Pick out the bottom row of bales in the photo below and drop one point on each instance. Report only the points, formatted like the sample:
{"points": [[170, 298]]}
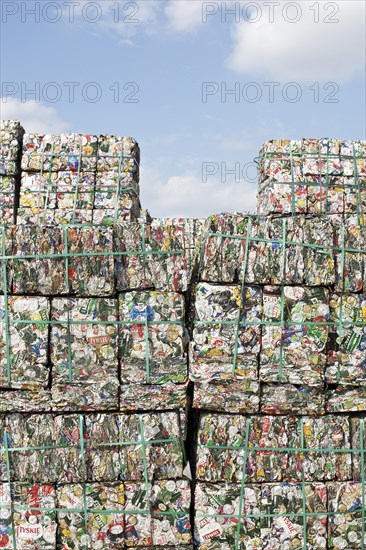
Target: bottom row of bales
{"points": [[113, 480], [156, 515]]}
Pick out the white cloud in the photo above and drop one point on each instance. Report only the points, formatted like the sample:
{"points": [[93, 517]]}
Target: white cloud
{"points": [[186, 15], [187, 195], [34, 116], [303, 51], [183, 15]]}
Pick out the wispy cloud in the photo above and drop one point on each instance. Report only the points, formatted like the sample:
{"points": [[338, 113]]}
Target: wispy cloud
{"points": [[183, 15], [187, 195], [35, 117]]}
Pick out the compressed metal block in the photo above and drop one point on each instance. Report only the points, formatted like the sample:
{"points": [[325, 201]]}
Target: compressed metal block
{"points": [[152, 337], [223, 345]]}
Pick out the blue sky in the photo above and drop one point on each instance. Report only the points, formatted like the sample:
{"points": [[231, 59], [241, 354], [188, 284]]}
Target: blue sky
{"points": [[310, 51]]}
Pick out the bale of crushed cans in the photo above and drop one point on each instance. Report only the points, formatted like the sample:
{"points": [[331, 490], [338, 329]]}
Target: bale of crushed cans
{"points": [[11, 136], [152, 337], [300, 250], [279, 515], [98, 260], [79, 179], [48, 448], [312, 176]]}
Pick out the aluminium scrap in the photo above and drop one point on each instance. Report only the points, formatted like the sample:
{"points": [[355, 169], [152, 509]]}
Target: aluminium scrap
{"points": [[134, 446], [56, 196], [257, 517], [63, 397], [291, 399], [118, 153], [11, 135], [347, 349], [345, 528], [280, 186], [223, 345], [30, 401], [225, 516], [326, 195], [90, 516], [231, 446], [355, 194], [157, 397], [91, 264], [24, 341], [320, 435], [219, 250], [116, 197], [152, 337], [171, 269], [127, 209], [7, 198], [28, 516], [117, 179], [287, 259], [38, 264], [157, 450], [189, 232], [346, 398], [283, 250], [83, 340], [152, 256], [154, 547], [104, 446], [350, 254], [231, 244], [58, 260], [319, 253], [98, 395], [154, 397], [220, 448], [75, 197], [233, 396], [6, 251], [358, 429], [47, 448], [157, 514], [54, 153], [289, 526], [295, 335], [311, 176]]}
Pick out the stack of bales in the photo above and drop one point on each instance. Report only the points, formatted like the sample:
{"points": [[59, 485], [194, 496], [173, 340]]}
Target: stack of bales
{"points": [[11, 135], [277, 356], [137, 353], [93, 324]]}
